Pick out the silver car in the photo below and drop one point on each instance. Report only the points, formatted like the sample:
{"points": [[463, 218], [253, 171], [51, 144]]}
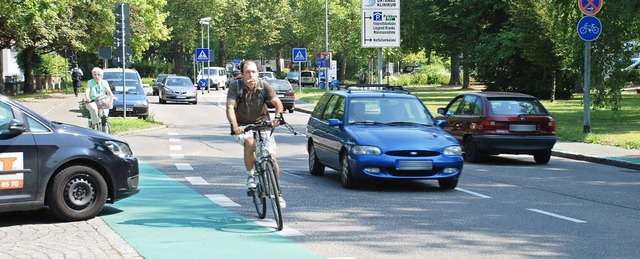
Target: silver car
{"points": [[178, 89]]}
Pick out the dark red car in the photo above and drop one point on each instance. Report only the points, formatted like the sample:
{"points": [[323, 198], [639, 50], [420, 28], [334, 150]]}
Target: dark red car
{"points": [[492, 123]]}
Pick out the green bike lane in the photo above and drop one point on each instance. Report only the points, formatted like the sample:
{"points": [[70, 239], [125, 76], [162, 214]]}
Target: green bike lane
{"points": [[168, 219]]}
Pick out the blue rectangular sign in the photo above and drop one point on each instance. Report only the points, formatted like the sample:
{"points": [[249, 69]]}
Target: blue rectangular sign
{"points": [[202, 54], [299, 55]]}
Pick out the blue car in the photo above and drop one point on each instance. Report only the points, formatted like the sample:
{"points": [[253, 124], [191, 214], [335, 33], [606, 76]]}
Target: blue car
{"points": [[380, 132], [129, 89]]}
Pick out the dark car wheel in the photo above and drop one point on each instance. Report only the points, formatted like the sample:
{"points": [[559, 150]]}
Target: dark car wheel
{"points": [[345, 173], [290, 110], [315, 167], [77, 193], [448, 183], [471, 152], [542, 157]]}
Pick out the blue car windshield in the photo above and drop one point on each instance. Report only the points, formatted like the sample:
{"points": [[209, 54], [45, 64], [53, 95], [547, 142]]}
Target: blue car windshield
{"points": [[132, 87], [388, 110]]}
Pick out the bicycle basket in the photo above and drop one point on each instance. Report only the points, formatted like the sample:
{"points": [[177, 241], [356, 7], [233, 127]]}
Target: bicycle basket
{"points": [[104, 102]]}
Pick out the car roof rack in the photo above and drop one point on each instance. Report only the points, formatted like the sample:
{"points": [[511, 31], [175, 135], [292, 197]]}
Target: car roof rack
{"points": [[385, 87]]}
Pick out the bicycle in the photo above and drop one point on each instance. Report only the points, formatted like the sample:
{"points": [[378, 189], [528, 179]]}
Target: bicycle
{"points": [[267, 184], [103, 102]]}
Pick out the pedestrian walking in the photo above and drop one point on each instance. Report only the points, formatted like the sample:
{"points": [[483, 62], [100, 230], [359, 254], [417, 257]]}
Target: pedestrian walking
{"points": [[76, 76]]}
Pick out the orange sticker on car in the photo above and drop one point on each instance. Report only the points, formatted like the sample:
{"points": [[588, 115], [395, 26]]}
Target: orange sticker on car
{"points": [[11, 162]]}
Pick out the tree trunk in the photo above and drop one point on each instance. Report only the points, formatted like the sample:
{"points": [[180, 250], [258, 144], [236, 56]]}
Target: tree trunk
{"points": [[467, 78], [553, 89], [455, 69], [178, 61], [223, 53], [27, 56], [278, 57]]}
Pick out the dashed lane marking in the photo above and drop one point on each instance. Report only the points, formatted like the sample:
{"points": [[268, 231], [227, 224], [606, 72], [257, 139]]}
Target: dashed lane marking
{"points": [[222, 200], [177, 156], [557, 216], [196, 180], [183, 166], [175, 148], [474, 193]]}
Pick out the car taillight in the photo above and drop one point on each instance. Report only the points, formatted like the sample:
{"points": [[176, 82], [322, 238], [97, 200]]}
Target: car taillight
{"points": [[552, 126], [293, 94], [487, 125]]}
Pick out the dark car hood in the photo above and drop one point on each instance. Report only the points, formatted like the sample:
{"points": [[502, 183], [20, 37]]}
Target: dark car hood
{"points": [[69, 129], [402, 137]]}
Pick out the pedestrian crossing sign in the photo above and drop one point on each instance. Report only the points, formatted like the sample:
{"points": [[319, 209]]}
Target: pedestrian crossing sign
{"points": [[202, 54], [299, 55]]}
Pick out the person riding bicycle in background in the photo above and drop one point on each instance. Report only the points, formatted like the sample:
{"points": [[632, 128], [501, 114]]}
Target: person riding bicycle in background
{"points": [[96, 88], [251, 108]]}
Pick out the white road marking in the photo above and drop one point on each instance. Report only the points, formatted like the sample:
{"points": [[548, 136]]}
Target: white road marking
{"points": [[196, 180], [172, 133], [175, 148], [222, 200], [285, 232], [474, 193], [177, 156], [183, 166], [557, 216], [174, 140]]}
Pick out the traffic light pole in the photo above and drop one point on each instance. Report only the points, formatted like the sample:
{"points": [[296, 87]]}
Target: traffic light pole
{"points": [[124, 82]]}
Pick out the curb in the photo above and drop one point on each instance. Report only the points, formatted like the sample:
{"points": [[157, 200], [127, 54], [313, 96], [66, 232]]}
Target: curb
{"points": [[133, 132], [596, 159]]}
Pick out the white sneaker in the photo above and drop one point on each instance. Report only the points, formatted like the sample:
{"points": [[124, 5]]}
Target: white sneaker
{"points": [[283, 203], [251, 182]]}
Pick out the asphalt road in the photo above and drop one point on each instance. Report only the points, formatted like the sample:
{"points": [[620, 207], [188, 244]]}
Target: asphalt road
{"points": [[193, 198]]}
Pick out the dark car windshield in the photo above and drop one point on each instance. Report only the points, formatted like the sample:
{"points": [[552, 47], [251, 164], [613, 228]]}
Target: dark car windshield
{"points": [[179, 81], [516, 107], [132, 87], [388, 110], [280, 85], [292, 75]]}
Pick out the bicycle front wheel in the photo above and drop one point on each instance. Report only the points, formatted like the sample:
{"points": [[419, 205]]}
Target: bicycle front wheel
{"points": [[106, 128], [259, 195], [274, 193]]}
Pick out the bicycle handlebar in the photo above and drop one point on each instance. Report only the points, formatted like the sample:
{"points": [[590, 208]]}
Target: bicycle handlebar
{"points": [[267, 124]]}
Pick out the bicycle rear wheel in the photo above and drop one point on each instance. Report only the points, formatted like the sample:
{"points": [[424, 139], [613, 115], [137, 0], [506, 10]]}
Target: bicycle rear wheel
{"points": [[274, 193], [106, 128], [259, 196]]}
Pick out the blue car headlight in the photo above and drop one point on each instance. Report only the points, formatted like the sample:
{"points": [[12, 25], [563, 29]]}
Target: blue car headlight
{"points": [[452, 151], [366, 150], [118, 148]]}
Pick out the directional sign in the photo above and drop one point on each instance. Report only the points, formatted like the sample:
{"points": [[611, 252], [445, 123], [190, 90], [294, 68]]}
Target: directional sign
{"points": [[323, 59], [202, 82], [202, 54], [380, 23], [590, 7], [589, 28], [299, 55]]}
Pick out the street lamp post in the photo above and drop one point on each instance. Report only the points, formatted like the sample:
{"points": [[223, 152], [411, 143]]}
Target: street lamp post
{"points": [[205, 21]]}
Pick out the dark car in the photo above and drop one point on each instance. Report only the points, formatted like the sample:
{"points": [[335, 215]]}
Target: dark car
{"points": [[71, 170], [284, 92], [293, 77], [157, 83], [492, 123], [178, 89], [380, 134], [137, 101]]}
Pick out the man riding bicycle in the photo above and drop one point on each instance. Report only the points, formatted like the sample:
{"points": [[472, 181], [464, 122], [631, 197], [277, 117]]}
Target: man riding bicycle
{"points": [[246, 104], [96, 88]]}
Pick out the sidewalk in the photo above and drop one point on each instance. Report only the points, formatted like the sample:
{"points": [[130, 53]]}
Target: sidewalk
{"points": [[614, 156], [64, 108]]}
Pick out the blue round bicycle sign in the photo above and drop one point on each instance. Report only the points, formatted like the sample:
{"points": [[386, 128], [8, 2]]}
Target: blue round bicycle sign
{"points": [[589, 28]]}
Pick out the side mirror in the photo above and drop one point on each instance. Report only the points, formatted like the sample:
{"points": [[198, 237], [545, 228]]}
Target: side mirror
{"points": [[441, 111], [334, 122]]}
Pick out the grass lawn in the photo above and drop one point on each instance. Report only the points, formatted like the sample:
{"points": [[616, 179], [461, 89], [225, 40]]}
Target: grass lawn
{"points": [[621, 128]]}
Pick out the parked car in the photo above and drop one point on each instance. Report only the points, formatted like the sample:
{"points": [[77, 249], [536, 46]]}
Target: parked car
{"points": [[380, 134], [285, 93], [178, 89], [293, 77], [266, 75], [137, 100], [308, 78], [217, 77], [157, 83], [73, 171], [492, 123]]}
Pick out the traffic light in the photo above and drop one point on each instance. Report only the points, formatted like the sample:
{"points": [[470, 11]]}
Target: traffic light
{"points": [[123, 27]]}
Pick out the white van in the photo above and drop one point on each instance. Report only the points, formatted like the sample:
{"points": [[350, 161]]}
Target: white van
{"points": [[217, 77]]}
